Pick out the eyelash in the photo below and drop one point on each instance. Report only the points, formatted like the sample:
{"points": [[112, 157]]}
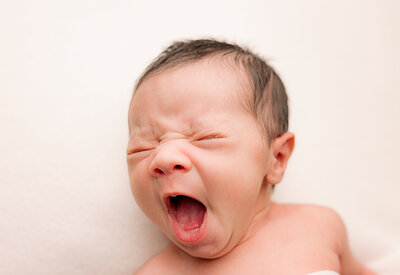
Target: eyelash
{"points": [[204, 138], [208, 137], [135, 151]]}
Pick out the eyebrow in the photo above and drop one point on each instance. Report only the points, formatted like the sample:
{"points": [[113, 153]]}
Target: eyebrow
{"points": [[152, 132]]}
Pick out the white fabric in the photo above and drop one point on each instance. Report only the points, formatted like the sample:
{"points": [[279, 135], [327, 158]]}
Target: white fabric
{"points": [[324, 272]]}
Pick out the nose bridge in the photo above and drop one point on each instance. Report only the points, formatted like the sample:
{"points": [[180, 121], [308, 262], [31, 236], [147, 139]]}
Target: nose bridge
{"points": [[169, 158]]}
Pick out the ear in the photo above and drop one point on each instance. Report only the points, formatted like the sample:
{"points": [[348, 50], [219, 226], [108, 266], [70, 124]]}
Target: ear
{"points": [[282, 148]]}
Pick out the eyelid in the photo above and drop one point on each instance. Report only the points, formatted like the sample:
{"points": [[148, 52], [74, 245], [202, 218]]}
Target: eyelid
{"points": [[136, 150], [210, 136]]}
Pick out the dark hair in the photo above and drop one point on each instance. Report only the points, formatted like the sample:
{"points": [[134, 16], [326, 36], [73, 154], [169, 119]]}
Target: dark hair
{"points": [[268, 102]]}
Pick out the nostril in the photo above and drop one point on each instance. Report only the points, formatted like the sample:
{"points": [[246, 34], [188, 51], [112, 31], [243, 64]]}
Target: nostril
{"points": [[158, 171], [178, 167]]}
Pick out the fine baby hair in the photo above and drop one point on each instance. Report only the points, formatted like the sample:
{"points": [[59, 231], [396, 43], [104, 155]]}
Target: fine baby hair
{"points": [[268, 101]]}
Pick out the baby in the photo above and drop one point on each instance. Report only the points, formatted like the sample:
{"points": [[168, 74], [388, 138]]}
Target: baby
{"points": [[208, 141]]}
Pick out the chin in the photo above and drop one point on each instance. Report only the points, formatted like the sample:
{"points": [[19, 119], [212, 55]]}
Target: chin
{"points": [[209, 251]]}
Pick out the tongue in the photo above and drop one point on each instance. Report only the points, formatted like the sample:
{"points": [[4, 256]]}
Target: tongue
{"points": [[189, 213]]}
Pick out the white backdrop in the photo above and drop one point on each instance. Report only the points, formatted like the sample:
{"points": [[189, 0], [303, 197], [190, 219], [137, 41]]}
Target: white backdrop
{"points": [[67, 69]]}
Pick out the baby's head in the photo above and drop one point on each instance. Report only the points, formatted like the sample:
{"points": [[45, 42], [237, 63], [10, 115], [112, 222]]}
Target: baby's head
{"points": [[208, 138], [266, 98]]}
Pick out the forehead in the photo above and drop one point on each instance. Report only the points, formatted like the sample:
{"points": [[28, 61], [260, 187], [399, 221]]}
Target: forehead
{"points": [[218, 70], [190, 90]]}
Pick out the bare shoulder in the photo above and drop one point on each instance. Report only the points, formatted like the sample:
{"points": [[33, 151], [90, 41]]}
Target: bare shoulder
{"points": [[161, 263], [312, 211], [323, 216], [323, 225], [314, 214], [316, 222]]}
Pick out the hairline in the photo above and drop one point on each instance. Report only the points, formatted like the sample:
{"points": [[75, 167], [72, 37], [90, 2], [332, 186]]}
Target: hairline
{"points": [[244, 99]]}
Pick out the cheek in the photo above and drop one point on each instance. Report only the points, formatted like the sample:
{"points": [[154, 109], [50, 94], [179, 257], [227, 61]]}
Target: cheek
{"points": [[141, 186], [232, 184], [240, 193], [238, 178]]}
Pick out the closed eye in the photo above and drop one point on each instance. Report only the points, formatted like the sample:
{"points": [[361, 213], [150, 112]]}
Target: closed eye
{"points": [[138, 150], [207, 137], [210, 137]]}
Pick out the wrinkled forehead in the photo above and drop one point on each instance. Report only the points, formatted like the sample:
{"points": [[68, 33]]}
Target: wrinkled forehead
{"points": [[229, 59], [211, 82]]}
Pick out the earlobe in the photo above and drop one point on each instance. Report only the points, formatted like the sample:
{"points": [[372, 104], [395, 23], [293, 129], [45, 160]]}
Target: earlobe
{"points": [[282, 148]]}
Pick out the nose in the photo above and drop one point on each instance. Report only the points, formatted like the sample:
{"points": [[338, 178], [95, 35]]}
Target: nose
{"points": [[169, 159]]}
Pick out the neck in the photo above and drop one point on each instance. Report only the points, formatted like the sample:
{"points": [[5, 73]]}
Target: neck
{"points": [[263, 207]]}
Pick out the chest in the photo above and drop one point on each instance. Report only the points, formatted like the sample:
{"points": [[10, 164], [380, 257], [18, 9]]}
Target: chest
{"points": [[272, 259]]}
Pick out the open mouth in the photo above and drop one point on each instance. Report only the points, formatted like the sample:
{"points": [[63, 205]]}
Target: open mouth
{"points": [[187, 217]]}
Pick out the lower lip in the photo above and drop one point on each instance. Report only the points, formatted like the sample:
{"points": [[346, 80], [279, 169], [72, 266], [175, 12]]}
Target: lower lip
{"points": [[191, 236]]}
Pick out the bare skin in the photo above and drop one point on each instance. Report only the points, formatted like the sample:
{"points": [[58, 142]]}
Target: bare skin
{"points": [[191, 137], [295, 239]]}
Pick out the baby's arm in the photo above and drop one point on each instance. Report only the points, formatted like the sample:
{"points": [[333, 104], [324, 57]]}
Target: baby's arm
{"points": [[349, 264]]}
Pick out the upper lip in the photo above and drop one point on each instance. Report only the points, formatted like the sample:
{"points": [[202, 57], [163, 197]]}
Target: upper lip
{"points": [[167, 196]]}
